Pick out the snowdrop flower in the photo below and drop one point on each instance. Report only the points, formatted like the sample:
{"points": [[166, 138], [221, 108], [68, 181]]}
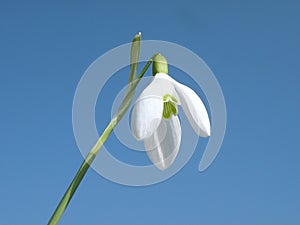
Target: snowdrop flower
{"points": [[155, 115]]}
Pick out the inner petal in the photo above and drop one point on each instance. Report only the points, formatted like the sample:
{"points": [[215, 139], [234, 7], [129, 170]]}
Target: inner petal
{"points": [[170, 108]]}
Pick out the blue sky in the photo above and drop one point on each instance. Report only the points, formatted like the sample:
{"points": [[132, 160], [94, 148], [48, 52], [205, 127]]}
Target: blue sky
{"points": [[252, 47]]}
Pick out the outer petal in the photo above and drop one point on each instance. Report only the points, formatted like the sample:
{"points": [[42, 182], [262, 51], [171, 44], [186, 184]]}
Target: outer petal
{"points": [[148, 109], [146, 116], [162, 147], [161, 84], [194, 109]]}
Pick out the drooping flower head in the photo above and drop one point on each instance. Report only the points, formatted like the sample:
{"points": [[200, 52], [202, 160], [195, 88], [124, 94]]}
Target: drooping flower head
{"points": [[155, 115]]}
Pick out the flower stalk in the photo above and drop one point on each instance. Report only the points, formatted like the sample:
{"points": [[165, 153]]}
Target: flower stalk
{"points": [[133, 82]]}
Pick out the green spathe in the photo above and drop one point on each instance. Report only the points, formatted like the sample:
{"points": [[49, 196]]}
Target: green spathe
{"points": [[160, 65]]}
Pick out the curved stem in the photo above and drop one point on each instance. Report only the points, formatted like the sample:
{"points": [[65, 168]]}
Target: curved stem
{"points": [[92, 154]]}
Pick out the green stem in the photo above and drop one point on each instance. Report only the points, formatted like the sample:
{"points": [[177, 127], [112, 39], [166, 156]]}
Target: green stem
{"points": [[92, 154]]}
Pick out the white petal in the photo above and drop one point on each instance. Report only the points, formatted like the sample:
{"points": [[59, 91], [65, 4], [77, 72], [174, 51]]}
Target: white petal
{"points": [[162, 147], [194, 109], [148, 109], [161, 85], [146, 116]]}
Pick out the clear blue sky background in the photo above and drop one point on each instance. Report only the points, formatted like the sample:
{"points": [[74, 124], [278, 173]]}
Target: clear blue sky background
{"points": [[253, 48]]}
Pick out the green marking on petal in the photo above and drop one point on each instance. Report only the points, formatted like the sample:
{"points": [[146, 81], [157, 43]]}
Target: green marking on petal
{"points": [[168, 96], [169, 109], [170, 106]]}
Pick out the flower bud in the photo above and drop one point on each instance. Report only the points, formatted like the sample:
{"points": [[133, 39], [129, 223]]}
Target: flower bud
{"points": [[160, 65]]}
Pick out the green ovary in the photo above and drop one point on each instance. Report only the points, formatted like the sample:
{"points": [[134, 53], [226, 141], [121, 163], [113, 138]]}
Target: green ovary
{"points": [[169, 109]]}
